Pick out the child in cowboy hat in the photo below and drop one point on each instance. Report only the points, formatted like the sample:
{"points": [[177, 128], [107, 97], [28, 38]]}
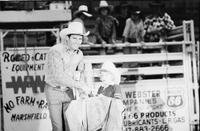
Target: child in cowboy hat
{"points": [[62, 61], [103, 112], [134, 28], [110, 77], [105, 24]]}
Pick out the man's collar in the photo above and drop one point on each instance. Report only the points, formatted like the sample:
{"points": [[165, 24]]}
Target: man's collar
{"points": [[67, 49], [74, 51]]}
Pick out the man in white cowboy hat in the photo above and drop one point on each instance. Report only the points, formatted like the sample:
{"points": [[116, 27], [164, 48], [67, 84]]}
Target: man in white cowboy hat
{"points": [[61, 64], [105, 24], [80, 16]]}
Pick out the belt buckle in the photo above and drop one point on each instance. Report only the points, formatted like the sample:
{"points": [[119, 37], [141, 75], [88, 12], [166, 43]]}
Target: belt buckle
{"points": [[62, 88]]}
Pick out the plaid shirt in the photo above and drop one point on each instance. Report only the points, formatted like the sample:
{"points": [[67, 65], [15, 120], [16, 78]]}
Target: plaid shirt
{"points": [[134, 30], [61, 65]]}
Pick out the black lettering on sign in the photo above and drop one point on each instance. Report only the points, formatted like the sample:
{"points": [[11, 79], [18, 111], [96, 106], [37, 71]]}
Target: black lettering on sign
{"points": [[39, 56], [27, 67], [130, 94], [42, 104], [15, 57], [129, 102], [31, 116], [6, 57], [28, 82], [25, 100], [9, 106]]}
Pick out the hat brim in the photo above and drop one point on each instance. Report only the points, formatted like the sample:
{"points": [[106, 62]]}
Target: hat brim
{"points": [[83, 12], [109, 7], [66, 32], [87, 14]]}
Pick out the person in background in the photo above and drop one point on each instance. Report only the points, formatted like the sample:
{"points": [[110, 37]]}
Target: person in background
{"points": [[62, 61], [123, 10], [105, 28], [80, 16], [134, 28], [133, 33]]}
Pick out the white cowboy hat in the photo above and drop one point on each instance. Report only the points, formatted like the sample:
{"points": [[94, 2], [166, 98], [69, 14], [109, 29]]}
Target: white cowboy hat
{"points": [[104, 4], [82, 9], [73, 28], [110, 67]]}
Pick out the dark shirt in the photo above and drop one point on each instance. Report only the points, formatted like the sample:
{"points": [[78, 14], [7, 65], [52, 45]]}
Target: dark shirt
{"points": [[113, 91], [105, 28], [120, 28]]}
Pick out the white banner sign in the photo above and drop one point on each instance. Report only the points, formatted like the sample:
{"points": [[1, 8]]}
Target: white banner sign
{"points": [[24, 103], [155, 108]]}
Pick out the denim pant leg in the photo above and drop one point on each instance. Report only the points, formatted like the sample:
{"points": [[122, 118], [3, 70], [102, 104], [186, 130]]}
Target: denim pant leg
{"points": [[56, 113], [65, 106], [55, 100]]}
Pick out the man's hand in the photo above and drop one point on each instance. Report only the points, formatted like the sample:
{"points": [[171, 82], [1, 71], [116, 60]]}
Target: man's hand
{"points": [[112, 41], [84, 87], [127, 43], [142, 44], [82, 94], [103, 43]]}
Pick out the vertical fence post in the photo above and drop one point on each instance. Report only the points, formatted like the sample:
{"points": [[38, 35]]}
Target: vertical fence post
{"points": [[1, 102]]}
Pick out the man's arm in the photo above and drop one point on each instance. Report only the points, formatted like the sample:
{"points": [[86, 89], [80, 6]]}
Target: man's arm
{"points": [[113, 34], [115, 23]]}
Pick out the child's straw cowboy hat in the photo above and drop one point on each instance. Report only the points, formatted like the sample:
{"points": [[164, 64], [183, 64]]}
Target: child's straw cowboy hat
{"points": [[110, 67]]}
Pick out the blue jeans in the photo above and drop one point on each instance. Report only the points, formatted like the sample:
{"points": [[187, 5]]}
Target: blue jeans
{"points": [[58, 102]]}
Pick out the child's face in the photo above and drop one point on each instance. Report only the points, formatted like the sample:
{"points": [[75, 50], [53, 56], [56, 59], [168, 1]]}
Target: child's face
{"points": [[106, 77]]}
